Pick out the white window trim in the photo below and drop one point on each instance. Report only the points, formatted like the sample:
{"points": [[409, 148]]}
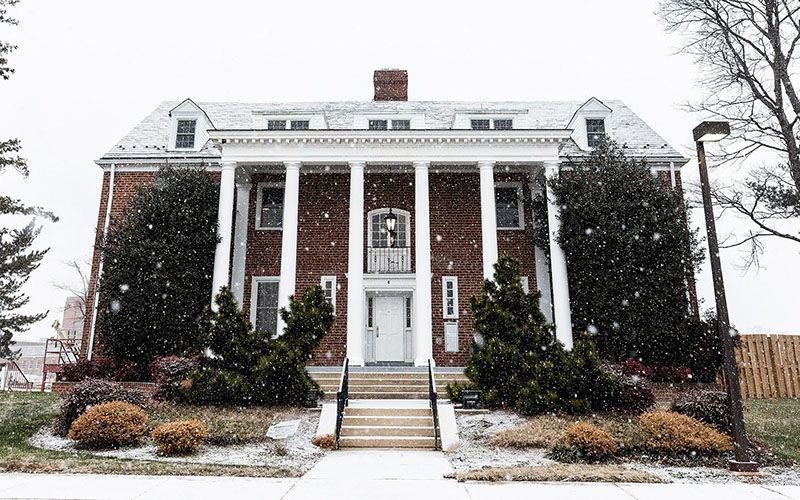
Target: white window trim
{"points": [[260, 187], [454, 280], [332, 279], [254, 294], [381, 211], [520, 205], [586, 126]]}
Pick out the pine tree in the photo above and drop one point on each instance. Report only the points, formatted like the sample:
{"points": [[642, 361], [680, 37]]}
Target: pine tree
{"points": [[252, 368], [630, 257], [158, 262], [517, 361]]}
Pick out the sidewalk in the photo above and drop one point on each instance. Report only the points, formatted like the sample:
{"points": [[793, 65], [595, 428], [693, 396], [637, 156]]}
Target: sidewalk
{"points": [[368, 474]]}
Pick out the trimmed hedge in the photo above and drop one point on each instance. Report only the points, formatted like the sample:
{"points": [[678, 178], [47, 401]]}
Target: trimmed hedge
{"points": [[92, 392], [673, 433], [109, 425], [179, 438]]}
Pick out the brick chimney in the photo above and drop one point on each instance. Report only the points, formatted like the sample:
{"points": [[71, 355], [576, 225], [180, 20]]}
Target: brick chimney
{"points": [[390, 85]]}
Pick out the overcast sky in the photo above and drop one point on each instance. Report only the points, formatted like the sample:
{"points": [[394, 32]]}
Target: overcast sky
{"points": [[89, 71]]}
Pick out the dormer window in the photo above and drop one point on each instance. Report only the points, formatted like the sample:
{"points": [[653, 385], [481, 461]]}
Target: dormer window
{"points": [[503, 124], [276, 124], [479, 124], [401, 124], [495, 123], [299, 124], [184, 138], [595, 131], [378, 125]]}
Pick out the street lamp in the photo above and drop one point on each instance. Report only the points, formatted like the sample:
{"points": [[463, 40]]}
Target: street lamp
{"points": [[713, 132], [391, 222]]}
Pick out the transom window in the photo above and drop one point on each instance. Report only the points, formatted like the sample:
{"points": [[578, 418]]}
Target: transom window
{"points": [[270, 206], [450, 296], [493, 123], [184, 138], [508, 205], [379, 236], [595, 131], [276, 124], [265, 304]]}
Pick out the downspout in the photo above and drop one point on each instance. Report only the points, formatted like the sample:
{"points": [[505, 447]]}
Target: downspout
{"points": [[672, 173], [100, 266]]}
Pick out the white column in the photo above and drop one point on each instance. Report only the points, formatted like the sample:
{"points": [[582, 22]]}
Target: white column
{"points": [[240, 238], [291, 199], [422, 256], [355, 267], [222, 256], [488, 218], [558, 265]]}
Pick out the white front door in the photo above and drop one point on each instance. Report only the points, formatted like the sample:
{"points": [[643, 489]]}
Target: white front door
{"points": [[389, 328]]}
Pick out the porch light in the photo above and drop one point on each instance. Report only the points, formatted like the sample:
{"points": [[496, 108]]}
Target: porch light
{"points": [[391, 221]]}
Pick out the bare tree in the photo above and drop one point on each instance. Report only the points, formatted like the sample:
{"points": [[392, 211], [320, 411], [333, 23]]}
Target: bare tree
{"points": [[746, 50], [79, 285]]}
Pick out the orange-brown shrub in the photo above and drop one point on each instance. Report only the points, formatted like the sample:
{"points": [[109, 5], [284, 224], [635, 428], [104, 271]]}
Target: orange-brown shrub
{"points": [[592, 443], [109, 425], [179, 438], [328, 441], [673, 433]]}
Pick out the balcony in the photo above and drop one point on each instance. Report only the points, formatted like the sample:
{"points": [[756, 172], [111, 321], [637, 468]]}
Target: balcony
{"points": [[388, 260]]}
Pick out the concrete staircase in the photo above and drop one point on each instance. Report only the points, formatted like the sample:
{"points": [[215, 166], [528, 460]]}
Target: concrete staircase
{"points": [[377, 426], [386, 384]]}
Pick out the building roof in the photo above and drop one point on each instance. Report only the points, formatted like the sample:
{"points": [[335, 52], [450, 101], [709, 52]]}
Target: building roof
{"points": [[150, 138]]}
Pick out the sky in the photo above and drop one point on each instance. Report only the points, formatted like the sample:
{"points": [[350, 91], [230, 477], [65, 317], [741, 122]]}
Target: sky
{"points": [[87, 71]]}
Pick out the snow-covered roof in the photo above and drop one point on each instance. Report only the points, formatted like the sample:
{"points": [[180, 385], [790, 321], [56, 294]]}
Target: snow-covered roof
{"points": [[150, 138]]}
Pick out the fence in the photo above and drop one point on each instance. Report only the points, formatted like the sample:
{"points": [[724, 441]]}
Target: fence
{"points": [[769, 366]]}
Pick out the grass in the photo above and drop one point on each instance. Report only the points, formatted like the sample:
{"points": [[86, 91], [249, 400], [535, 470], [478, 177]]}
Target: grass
{"points": [[559, 472], [777, 423], [23, 414]]}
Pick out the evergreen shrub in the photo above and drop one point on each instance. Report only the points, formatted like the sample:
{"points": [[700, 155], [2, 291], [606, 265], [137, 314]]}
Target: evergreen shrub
{"points": [[673, 433], [516, 360], [168, 372], [179, 438], [109, 425], [589, 442], [708, 406], [88, 393]]}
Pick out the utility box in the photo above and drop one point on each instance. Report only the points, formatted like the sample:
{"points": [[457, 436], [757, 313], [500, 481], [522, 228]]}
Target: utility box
{"points": [[471, 399]]}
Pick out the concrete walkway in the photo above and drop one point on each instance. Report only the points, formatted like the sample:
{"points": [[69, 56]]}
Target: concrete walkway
{"points": [[367, 474]]}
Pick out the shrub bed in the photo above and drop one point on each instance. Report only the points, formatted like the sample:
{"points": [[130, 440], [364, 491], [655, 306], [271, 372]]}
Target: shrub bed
{"points": [[179, 438], [673, 433], [109, 425], [91, 392]]}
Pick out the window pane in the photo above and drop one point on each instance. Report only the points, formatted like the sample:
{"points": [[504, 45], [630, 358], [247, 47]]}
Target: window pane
{"points": [[507, 207], [299, 124], [271, 207], [267, 307], [377, 124], [401, 124], [276, 124], [480, 124], [503, 124], [408, 312], [595, 132], [185, 134], [186, 126]]}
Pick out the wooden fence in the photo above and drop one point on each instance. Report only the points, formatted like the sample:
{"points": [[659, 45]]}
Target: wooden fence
{"points": [[769, 366]]}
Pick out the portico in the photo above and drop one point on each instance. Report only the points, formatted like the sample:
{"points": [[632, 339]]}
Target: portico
{"points": [[373, 292]]}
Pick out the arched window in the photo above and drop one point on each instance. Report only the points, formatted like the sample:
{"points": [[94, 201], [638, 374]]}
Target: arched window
{"points": [[379, 236]]}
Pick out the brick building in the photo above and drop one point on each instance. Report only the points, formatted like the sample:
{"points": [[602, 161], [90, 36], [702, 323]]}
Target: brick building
{"points": [[306, 190]]}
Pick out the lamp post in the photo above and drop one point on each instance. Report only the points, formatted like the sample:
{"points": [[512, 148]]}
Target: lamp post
{"points": [[713, 132]]}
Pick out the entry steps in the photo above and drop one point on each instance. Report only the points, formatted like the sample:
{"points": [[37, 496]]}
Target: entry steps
{"points": [[387, 424], [386, 384]]}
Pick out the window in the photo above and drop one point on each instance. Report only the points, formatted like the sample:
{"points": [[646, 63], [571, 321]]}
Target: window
{"points": [[401, 124], [524, 280], [508, 205], [504, 124], [378, 125], [264, 308], [451, 336], [408, 312], [595, 132], [479, 124], [299, 124], [328, 284], [270, 206], [379, 236], [450, 296], [369, 312], [276, 124], [184, 139]]}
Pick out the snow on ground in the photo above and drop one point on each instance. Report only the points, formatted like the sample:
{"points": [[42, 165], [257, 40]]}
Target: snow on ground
{"points": [[476, 430], [296, 452]]}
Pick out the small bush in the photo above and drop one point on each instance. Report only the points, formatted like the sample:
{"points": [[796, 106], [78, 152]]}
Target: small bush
{"points": [[102, 368], [710, 407], [591, 443], [635, 395], [674, 374], [169, 372], [454, 390], [109, 425], [328, 441], [91, 392], [179, 438], [632, 367], [673, 433]]}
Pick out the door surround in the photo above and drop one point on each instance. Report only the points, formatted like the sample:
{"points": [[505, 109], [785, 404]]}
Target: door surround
{"points": [[369, 338]]}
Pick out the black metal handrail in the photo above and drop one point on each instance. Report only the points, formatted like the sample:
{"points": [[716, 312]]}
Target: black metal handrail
{"points": [[342, 398], [12, 378], [434, 406], [389, 259]]}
